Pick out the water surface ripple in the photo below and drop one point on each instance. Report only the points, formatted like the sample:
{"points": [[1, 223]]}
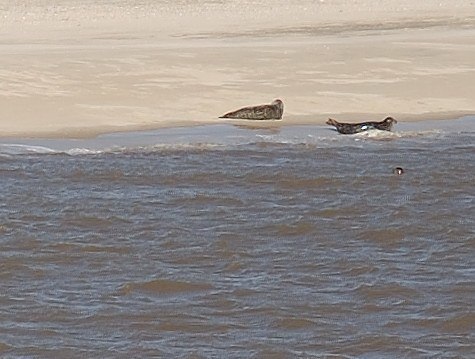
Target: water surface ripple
{"points": [[270, 249]]}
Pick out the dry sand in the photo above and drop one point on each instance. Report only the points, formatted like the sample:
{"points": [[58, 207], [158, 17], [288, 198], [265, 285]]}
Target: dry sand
{"points": [[82, 67]]}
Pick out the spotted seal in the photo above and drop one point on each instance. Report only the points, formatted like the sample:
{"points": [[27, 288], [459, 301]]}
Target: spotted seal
{"points": [[351, 128], [274, 111]]}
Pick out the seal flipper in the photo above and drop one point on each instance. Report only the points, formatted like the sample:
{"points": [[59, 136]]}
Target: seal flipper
{"points": [[343, 128]]}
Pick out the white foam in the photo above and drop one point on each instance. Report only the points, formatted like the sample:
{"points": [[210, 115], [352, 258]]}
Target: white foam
{"points": [[82, 151], [20, 149], [375, 134], [378, 134]]}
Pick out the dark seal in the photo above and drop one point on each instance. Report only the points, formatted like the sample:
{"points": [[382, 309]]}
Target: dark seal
{"points": [[352, 128], [274, 111], [398, 171]]}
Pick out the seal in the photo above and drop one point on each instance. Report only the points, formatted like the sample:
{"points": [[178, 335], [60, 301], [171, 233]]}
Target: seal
{"points": [[351, 128], [398, 171], [274, 111]]}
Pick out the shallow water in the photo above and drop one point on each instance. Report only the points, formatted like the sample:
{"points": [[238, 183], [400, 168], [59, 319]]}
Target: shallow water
{"points": [[220, 241]]}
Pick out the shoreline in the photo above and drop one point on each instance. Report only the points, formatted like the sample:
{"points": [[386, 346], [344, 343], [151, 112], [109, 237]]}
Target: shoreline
{"points": [[208, 136], [192, 127], [86, 68]]}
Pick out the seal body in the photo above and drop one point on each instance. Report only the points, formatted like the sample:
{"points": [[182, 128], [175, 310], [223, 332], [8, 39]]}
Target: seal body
{"points": [[352, 128], [274, 111]]}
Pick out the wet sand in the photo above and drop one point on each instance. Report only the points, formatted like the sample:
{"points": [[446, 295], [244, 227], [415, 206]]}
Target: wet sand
{"points": [[83, 68]]}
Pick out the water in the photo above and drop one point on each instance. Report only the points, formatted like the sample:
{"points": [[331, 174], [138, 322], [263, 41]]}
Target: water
{"points": [[229, 242]]}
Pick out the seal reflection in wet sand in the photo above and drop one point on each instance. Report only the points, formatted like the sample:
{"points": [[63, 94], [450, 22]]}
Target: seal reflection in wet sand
{"points": [[351, 128], [274, 111]]}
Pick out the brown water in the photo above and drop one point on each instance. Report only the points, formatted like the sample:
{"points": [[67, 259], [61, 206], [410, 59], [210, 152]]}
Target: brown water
{"points": [[234, 243]]}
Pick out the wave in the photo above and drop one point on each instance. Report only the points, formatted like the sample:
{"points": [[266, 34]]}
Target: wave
{"points": [[164, 287], [8, 150], [18, 149], [386, 135]]}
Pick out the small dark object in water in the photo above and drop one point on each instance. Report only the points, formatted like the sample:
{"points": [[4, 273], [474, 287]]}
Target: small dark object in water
{"points": [[352, 128], [398, 171], [274, 111]]}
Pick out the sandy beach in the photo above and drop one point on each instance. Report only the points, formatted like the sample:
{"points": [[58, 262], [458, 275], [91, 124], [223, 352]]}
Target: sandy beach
{"points": [[81, 68], [136, 223]]}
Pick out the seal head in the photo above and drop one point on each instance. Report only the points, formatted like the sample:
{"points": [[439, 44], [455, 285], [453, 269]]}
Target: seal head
{"points": [[398, 171], [385, 125]]}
